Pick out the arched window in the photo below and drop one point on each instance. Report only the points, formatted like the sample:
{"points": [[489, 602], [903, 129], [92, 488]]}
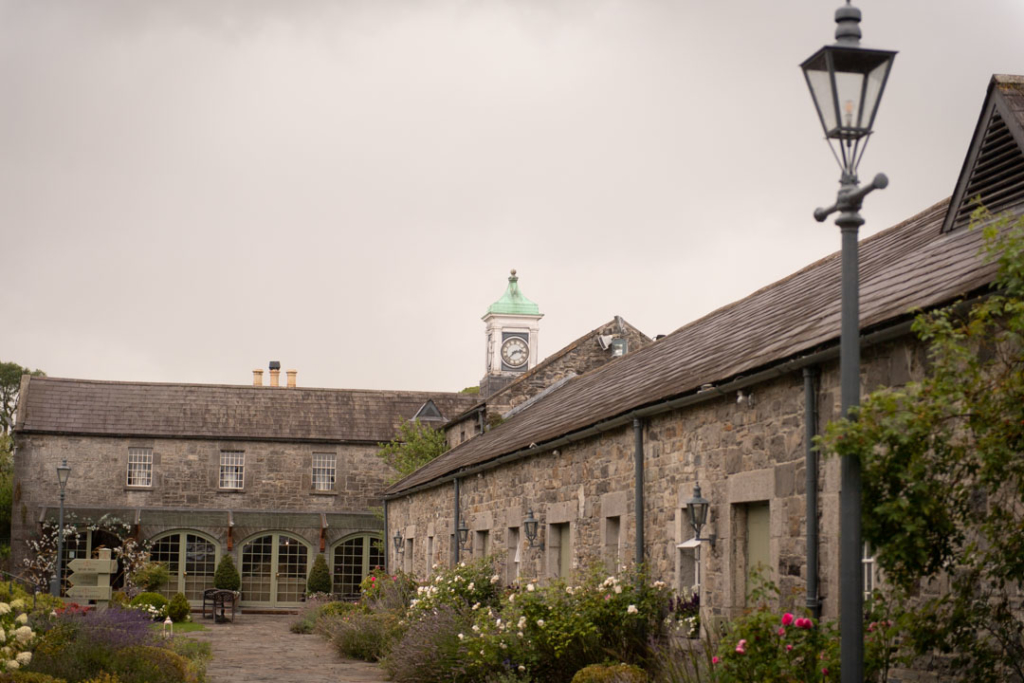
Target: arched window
{"points": [[191, 560], [352, 559]]}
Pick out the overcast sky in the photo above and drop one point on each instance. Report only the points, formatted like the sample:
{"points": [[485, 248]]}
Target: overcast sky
{"points": [[191, 189]]}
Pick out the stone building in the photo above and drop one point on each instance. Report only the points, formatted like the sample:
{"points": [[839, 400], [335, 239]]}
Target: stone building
{"points": [[608, 462], [597, 347], [272, 475]]}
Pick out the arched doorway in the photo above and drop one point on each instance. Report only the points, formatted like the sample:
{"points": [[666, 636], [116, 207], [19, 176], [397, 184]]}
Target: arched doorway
{"points": [[353, 558], [191, 560], [274, 568]]}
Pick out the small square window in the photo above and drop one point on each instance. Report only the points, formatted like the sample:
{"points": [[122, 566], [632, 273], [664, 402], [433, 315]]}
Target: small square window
{"points": [[232, 469], [324, 466], [140, 467]]}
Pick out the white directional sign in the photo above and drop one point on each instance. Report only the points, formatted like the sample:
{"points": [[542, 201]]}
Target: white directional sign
{"points": [[90, 592], [81, 566]]}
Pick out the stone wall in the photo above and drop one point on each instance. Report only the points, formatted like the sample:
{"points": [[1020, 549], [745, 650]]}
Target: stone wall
{"points": [[277, 479], [744, 454]]}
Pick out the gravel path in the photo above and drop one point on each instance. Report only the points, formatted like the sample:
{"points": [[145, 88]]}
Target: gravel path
{"points": [[259, 647]]}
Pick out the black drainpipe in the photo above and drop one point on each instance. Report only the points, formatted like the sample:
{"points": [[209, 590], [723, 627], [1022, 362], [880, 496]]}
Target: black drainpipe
{"points": [[455, 527], [811, 457], [638, 503], [387, 539]]}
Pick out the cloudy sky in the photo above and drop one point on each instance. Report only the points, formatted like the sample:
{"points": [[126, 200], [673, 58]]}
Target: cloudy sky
{"points": [[189, 189]]}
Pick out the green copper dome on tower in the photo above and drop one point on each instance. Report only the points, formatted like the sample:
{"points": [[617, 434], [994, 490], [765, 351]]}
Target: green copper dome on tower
{"points": [[512, 302]]}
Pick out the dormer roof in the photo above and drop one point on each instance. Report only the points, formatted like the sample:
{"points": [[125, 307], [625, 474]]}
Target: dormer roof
{"points": [[993, 171]]}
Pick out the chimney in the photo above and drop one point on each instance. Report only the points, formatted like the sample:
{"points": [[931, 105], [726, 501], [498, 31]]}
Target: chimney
{"points": [[275, 373], [291, 378], [257, 377]]}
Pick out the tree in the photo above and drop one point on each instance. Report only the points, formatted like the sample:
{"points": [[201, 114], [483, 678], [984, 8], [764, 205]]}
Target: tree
{"points": [[319, 576], [226, 576], [415, 446], [943, 475], [10, 384]]}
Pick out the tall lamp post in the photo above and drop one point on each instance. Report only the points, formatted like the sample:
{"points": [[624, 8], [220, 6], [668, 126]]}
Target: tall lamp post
{"points": [[846, 83], [63, 472]]}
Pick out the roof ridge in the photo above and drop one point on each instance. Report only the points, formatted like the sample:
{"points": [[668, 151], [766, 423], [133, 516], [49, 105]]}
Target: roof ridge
{"points": [[282, 390]]}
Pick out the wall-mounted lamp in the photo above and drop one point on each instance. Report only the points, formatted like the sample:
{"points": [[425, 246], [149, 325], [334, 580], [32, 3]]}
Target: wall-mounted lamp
{"points": [[463, 536], [747, 398], [398, 541], [530, 526], [698, 508]]}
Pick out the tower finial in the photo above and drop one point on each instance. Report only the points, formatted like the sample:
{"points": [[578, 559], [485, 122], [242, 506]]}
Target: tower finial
{"points": [[848, 25], [513, 277]]}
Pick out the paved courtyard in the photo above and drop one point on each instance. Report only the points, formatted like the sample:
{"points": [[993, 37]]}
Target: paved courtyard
{"points": [[259, 647]]}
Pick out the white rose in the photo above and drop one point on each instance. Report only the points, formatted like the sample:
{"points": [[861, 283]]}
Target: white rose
{"points": [[632, 609], [530, 587], [22, 618], [24, 658], [12, 664]]}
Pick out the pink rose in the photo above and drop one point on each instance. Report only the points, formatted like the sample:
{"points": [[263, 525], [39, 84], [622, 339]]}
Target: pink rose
{"points": [[804, 623], [741, 647], [715, 660], [789, 648], [782, 631], [787, 619], [825, 672]]}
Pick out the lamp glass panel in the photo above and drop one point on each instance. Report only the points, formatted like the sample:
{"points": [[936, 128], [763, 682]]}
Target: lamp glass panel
{"points": [[63, 472], [530, 525], [873, 90], [820, 84], [698, 514]]}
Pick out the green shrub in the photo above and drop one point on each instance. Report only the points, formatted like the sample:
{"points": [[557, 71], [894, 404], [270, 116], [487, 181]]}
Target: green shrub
{"points": [[384, 590], [178, 609], [610, 673], [319, 576], [28, 677], [226, 577], [339, 608], [195, 653], [366, 636], [119, 598], [154, 603], [151, 577]]}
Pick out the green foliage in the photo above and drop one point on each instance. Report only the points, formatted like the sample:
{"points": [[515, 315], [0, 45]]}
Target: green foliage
{"points": [[319, 576], [155, 602], [462, 623], [382, 590], [610, 673], [6, 486], [943, 474], [415, 446], [28, 677], [10, 385], [471, 390], [151, 576], [226, 577], [178, 609], [364, 635]]}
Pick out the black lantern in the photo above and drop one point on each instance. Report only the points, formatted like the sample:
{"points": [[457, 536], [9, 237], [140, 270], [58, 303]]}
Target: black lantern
{"points": [[846, 83], [530, 526], [698, 507], [398, 542], [463, 535], [63, 472]]}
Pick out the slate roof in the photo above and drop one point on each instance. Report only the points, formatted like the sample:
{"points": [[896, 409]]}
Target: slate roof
{"points": [[87, 407], [912, 265]]}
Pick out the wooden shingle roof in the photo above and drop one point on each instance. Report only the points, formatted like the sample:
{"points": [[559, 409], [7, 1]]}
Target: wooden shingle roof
{"points": [[912, 265], [86, 407]]}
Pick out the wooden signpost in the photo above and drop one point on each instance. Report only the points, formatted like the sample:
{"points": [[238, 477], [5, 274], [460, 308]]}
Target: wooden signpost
{"points": [[90, 579]]}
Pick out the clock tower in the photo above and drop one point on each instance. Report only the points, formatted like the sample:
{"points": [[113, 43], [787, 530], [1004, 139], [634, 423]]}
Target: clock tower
{"points": [[513, 324]]}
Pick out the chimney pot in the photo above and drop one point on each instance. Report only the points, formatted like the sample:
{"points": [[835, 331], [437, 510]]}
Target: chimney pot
{"points": [[291, 378], [257, 377]]}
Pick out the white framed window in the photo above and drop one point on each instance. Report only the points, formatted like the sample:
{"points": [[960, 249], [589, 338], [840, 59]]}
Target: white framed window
{"points": [[324, 468], [232, 469], [140, 467], [867, 561]]}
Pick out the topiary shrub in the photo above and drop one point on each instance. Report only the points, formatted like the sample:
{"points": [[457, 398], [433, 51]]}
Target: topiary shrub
{"points": [[226, 577], [179, 609], [154, 602], [610, 673], [319, 577]]}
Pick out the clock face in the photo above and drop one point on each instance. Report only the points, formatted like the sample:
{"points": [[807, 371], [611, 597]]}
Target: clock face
{"points": [[515, 352]]}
